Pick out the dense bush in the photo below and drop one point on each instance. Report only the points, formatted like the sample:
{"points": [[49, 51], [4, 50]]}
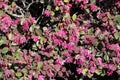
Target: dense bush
{"points": [[59, 39]]}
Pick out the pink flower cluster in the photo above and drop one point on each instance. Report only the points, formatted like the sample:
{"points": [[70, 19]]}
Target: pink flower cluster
{"points": [[69, 39]]}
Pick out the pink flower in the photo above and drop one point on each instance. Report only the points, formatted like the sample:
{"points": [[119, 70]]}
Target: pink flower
{"points": [[59, 61], [29, 77], [47, 13], [47, 31], [7, 21], [50, 74], [98, 14], [79, 70], [7, 73], [25, 26], [41, 77], [118, 72], [56, 2], [81, 6], [22, 39], [4, 28], [61, 33], [87, 54], [81, 60], [35, 38], [118, 4], [78, 1], [71, 46], [68, 60], [105, 65], [16, 40], [55, 40], [93, 7], [112, 67], [85, 1], [91, 64], [99, 61], [92, 69], [73, 38], [109, 72], [64, 45], [87, 40], [31, 20], [3, 4]]}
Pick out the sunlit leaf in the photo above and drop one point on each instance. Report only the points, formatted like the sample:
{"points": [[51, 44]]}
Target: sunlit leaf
{"points": [[1, 42], [117, 18], [82, 32], [74, 17], [13, 4], [106, 57], [16, 55], [42, 1], [84, 71], [118, 26], [39, 65], [49, 7], [90, 31], [10, 36], [1, 75], [56, 8], [66, 1], [18, 74], [41, 40], [116, 35], [5, 50]]}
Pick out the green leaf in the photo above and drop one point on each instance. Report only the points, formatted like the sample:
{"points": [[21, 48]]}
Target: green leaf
{"points": [[96, 44], [5, 50], [1, 75], [1, 42], [22, 21], [98, 54], [98, 72], [117, 18], [18, 74], [67, 15], [57, 8], [66, 1], [74, 17], [34, 47], [44, 28], [52, 13], [41, 40], [1, 12], [109, 15], [82, 32], [42, 1], [116, 35], [118, 26], [25, 70], [16, 55], [49, 7], [3, 38], [101, 37], [39, 65], [102, 74], [92, 49], [90, 31], [10, 36], [13, 4], [106, 57], [38, 31]]}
